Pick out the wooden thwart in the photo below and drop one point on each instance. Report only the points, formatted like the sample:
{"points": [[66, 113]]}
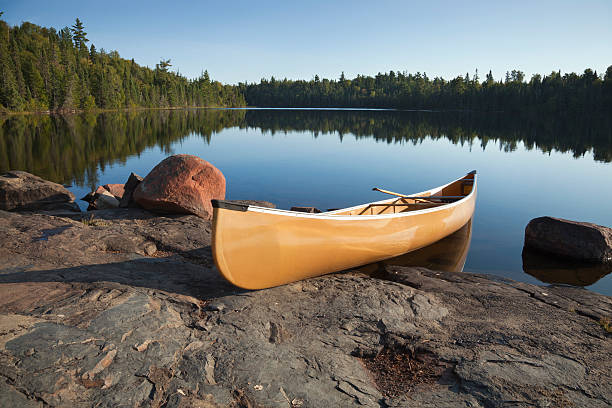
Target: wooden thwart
{"points": [[417, 198], [425, 201], [400, 204]]}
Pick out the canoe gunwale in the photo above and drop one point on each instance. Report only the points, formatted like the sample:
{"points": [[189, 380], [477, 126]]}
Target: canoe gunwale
{"points": [[331, 214]]}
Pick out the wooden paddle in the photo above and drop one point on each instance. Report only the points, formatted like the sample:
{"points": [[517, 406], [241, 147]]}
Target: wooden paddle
{"points": [[415, 198]]}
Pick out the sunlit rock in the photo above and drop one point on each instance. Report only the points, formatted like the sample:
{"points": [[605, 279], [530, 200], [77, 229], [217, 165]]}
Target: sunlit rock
{"points": [[22, 191], [181, 184]]}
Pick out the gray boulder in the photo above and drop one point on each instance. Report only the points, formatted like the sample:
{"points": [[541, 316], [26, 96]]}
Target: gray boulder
{"points": [[570, 239], [105, 201], [22, 191]]}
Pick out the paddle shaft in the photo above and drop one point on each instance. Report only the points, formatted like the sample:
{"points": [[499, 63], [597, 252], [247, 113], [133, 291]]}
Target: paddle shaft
{"points": [[413, 198]]}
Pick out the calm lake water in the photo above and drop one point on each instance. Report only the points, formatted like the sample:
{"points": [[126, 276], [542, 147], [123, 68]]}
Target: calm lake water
{"points": [[527, 167]]}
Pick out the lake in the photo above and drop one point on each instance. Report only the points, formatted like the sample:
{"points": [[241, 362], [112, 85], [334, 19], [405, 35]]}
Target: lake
{"points": [[527, 166]]}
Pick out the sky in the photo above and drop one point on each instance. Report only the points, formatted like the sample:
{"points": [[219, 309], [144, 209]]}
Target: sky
{"points": [[238, 41]]}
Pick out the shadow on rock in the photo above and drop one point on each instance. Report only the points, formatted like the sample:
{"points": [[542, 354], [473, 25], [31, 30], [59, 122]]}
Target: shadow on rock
{"points": [[179, 274]]}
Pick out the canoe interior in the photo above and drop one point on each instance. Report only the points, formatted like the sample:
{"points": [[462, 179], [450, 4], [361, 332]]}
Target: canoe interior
{"points": [[457, 189]]}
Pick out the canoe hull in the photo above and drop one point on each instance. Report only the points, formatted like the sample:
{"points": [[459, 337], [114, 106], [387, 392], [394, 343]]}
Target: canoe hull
{"points": [[260, 248]]}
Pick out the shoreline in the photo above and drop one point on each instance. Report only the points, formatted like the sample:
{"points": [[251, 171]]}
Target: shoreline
{"points": [[133, 305], [100, 110]]}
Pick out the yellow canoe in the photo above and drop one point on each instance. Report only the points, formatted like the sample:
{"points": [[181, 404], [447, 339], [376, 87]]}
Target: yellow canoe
{"points": [[256, 247]]}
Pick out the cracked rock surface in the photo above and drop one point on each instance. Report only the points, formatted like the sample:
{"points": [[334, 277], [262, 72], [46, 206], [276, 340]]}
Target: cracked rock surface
{"points": [[127, 309]]}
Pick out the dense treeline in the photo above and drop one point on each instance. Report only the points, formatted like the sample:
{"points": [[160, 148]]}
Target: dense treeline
{"points": [[71, 148], [554, 93], [42, 69]]}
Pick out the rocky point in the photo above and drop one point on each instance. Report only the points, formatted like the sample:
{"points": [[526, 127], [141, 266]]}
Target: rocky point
{"points": [[124, 307]]}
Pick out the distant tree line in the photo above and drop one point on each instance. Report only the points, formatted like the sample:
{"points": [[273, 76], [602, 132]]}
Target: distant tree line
{"points": [[42, 69], [554, 93]]}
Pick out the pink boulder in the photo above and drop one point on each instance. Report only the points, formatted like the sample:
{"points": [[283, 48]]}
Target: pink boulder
{"points": [[181, 184], [99, 190], [115, 189]]}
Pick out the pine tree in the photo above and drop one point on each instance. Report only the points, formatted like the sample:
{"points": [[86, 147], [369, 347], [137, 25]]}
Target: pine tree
{"points": [[79, 35]]}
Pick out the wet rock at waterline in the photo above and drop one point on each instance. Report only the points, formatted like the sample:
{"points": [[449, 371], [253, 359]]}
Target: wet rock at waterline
{"points": [[127, 308], [570, 239], [22, 191], [113, 195], [181, 184], [127, 200]]}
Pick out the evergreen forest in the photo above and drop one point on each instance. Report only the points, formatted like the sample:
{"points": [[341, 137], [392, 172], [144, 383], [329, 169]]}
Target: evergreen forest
{"points": [[44, 69], [589, 92]]}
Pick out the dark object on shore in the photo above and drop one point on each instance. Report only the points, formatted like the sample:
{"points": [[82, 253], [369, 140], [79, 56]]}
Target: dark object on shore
{"points": [[570, 239], [552, 269], [22, 191], [255, 203], [182, 184], [113, 195], [310, 210], [127, 200]]}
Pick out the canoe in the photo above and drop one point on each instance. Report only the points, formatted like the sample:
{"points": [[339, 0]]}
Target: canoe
{"points": [[257, 248]]}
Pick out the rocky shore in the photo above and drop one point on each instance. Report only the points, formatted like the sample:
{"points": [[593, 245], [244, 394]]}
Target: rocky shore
{"points": [[124, 307]]}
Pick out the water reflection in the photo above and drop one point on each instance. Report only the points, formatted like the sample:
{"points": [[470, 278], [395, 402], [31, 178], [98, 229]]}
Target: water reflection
{"points": [[448, 254], [71, 148], [551, 269]]}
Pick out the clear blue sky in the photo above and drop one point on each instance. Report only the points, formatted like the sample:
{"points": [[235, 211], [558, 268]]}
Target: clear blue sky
{"points": [[247, 40]]}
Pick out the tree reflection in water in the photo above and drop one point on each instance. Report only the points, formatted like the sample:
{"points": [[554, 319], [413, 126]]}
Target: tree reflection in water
{"points": [[69, 148]]}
